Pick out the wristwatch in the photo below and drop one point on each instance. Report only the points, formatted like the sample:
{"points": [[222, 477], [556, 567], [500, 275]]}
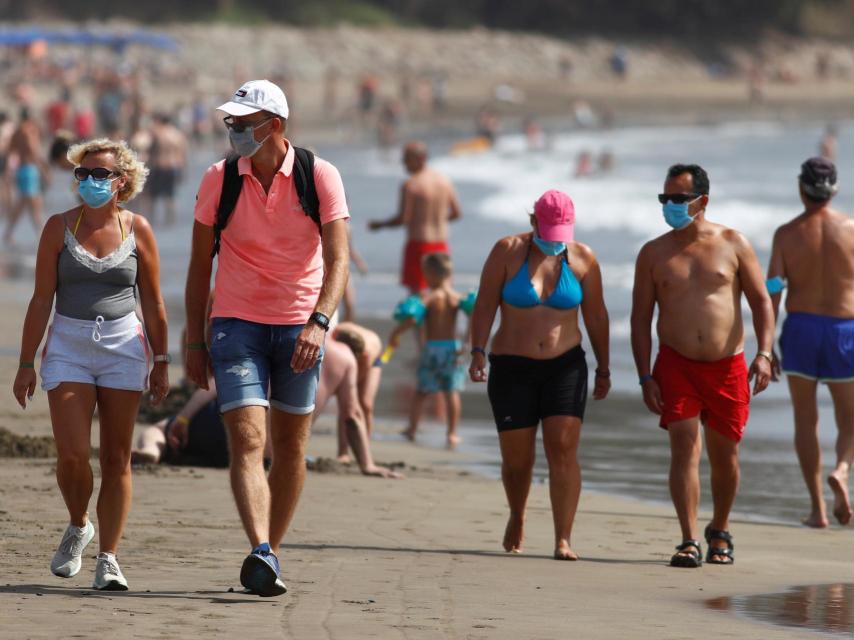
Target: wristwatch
{"points": [[320, 319], [164, 358]]}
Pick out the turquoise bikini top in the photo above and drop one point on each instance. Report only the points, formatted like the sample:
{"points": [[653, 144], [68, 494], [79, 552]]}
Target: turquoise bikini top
{"points": [[519, 292]]}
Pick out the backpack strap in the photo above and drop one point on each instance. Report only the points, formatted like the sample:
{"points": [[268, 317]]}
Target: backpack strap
{"points": [[304, 182], [232, 182]]}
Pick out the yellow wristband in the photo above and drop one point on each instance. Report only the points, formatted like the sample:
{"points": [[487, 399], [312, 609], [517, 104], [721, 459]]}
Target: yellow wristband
{"points": [[182, 420]]}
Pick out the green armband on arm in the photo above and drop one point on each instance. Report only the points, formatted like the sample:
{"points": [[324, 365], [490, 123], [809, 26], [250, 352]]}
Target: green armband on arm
{"points": [[775, 285], [411, 307], [467, 303]]}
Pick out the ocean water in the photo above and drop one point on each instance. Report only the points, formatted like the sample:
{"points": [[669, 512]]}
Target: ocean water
{"points": [[753, 169]]}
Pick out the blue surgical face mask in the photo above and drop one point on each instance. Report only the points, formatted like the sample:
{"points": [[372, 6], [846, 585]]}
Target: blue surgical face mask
{"points": [[549, 247], [96, 193], [244, 142], [676, 215]]}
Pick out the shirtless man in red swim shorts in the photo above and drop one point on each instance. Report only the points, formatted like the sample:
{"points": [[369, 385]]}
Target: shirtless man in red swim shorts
{"points": [[696, 274], [428, 203]]}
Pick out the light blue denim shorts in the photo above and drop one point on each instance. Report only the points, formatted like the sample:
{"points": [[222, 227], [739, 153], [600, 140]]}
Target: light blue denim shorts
{"points": [[106, 353]]}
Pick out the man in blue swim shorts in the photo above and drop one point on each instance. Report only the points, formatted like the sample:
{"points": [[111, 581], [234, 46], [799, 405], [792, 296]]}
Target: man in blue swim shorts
{"points": [[813, 260], [25, 148]]}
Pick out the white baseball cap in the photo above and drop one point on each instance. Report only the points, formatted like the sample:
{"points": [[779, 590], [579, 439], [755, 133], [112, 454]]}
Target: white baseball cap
{"points": [[255, 96]]}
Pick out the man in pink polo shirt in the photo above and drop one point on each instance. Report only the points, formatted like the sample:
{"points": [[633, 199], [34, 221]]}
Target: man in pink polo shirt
{"points": [[279, 279]]}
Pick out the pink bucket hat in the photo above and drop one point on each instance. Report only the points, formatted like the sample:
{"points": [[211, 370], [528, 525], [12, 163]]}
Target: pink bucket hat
{"points": [[555, 215]]}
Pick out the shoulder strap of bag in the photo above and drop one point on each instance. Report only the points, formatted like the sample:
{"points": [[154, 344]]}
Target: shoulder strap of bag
{"points": [[304, 182], [232, 182]]}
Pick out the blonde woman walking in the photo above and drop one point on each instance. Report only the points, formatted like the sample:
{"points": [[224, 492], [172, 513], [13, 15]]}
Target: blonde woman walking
{"points": [[92, 260]]}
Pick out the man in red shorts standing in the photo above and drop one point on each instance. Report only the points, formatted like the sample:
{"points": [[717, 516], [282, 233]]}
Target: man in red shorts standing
{"points": [[427, 203], [696, 274]]}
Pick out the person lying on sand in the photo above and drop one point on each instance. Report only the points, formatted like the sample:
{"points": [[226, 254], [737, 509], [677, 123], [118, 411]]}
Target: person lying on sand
{"points": [[196, 436]]}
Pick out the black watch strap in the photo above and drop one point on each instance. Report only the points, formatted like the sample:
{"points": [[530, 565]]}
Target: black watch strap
{"points": [[320, 319]]}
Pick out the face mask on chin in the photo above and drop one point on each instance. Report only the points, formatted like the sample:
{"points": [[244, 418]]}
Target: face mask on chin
{"points": [[549, 247]]}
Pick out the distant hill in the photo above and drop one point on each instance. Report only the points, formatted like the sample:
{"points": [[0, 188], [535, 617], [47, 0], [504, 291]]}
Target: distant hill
{"points": [[691, 20]]}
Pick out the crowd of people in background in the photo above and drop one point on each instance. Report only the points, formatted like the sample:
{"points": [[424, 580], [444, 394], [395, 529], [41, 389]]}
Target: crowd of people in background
{"points": [[88, 99], [91, 100]]}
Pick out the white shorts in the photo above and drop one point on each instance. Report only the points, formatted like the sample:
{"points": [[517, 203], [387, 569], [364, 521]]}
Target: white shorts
{"points": [[105, 353]]}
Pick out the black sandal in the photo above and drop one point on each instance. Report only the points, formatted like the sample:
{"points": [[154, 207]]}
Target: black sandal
{"points": [[727, 552], [693, 560]]}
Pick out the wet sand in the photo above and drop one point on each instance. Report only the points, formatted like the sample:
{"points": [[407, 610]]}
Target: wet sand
{"points": [[418, 558]]}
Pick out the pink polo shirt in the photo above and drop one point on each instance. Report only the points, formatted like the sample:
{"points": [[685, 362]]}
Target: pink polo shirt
{"points": [[270, 263]]}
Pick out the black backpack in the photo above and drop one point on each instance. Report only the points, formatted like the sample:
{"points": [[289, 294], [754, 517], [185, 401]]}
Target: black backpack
{"points": [[232, 182]]}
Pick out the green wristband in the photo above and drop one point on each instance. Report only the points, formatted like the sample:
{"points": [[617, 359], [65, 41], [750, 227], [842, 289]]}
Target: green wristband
{"points": [[196, 346], [26, 365]]}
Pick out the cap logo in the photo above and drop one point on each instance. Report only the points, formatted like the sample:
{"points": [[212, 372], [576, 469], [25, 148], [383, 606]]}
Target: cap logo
{"points": [[241, 93]]}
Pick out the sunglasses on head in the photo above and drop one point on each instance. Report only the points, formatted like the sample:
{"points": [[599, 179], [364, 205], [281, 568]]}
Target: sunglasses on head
{"points": [[240, 127], [98, 173], [677, 198]]}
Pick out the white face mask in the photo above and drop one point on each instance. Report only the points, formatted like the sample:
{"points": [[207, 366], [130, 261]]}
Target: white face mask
{"points": [[244, 143]]}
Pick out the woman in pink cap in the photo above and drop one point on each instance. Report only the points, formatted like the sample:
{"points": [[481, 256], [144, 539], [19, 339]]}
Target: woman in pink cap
{"points": [[538, 372]]}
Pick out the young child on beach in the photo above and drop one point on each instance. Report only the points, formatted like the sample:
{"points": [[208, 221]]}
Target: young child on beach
{"points": [[440, 369]]}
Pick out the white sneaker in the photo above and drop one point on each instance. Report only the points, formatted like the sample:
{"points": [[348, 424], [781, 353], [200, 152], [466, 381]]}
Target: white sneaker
{"points": [[108, 575], [67, 559]]}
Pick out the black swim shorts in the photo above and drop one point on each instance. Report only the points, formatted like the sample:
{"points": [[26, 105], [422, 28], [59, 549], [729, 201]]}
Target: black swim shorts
{"points": [[523, 391]]}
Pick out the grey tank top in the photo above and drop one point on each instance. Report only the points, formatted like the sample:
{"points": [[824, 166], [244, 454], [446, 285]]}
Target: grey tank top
{"points": [[88, 287]]}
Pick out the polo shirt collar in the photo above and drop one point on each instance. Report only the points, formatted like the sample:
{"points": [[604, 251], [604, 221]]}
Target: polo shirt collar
{"points": [[244, 165]]}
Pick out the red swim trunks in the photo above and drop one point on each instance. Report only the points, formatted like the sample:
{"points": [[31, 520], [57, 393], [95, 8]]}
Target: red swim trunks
{"points": [[411, 276], [716, 391]]}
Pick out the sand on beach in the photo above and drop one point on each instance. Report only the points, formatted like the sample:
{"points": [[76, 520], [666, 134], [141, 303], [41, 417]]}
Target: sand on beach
{"points": [[369, 558]]}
